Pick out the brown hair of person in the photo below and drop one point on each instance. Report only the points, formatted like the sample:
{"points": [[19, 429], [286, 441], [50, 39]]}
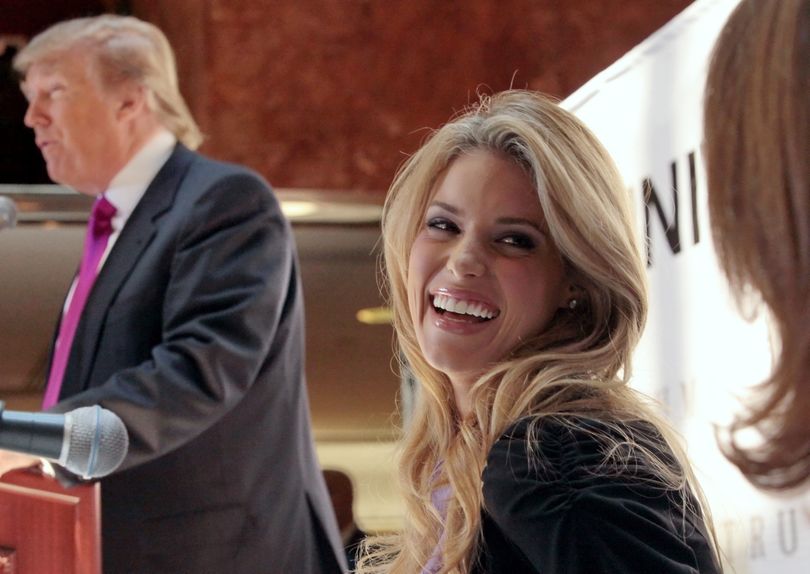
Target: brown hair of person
{"points": [[757, 120]]}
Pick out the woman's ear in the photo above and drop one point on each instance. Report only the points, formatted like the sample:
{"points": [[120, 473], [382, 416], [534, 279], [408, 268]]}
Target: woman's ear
{"points": [[573, 295]]}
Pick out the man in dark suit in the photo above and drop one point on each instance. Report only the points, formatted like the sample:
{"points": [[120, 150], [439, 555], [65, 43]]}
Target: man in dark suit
{"points": [[185, 319]]}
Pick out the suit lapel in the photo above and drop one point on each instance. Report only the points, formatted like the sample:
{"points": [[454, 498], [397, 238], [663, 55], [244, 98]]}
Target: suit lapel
{"points": [[136, 235]]}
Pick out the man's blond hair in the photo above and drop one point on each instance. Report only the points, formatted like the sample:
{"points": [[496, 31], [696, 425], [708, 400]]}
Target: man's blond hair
{"points": [[121, 48]]}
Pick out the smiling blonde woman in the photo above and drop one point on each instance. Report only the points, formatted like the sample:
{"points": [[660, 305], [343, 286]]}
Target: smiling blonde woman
{"points": [[519, 294]]}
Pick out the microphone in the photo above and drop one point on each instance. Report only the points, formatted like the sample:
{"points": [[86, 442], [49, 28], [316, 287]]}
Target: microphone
{"points": [[8, 213], [89, 441]]}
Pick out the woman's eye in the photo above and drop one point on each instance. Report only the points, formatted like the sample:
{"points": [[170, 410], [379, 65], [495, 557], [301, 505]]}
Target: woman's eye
{"points": [[519, 241], [441, 224]]}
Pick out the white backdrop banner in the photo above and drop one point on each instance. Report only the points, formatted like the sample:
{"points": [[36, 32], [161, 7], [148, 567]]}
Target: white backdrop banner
{"points": [[698, 355]]}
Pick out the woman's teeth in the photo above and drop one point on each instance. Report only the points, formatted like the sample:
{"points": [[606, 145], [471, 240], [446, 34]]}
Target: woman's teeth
{"points": [[461, 307]]}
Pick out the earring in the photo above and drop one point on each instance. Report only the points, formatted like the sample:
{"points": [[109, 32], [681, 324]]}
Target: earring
{"points": [[572, 304]]}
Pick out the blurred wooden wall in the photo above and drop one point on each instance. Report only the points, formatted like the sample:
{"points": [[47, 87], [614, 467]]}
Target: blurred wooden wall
{"points": [[333, 94]]}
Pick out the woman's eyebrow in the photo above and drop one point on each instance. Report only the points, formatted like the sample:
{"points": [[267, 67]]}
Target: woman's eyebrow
{"points": [[520, 221], [446, 206]]}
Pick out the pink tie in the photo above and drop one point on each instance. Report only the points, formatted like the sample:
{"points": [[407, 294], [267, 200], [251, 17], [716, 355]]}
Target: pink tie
{"points": [[99, 229]]}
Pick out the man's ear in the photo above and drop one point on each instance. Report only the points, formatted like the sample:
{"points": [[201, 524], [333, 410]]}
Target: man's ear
{"points": [[131, 101]]}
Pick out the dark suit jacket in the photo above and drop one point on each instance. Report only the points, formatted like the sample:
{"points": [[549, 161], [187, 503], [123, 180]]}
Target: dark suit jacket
{"points": [[553, 506], [193, 335], [353, 547]]}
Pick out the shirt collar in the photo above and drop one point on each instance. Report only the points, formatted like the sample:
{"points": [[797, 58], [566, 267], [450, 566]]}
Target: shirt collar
{"points": [[129, 185]]}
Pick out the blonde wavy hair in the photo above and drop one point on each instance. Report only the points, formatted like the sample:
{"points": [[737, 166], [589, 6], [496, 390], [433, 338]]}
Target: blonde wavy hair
{"points": [[580, 365], [757, 144], [122, 48]]}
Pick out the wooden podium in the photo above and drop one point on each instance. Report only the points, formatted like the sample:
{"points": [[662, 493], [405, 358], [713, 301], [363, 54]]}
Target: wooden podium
{"points": [[46, 528]]}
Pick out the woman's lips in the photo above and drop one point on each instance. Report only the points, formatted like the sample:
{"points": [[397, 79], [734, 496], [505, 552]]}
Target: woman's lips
{"points": [[460, 311]]}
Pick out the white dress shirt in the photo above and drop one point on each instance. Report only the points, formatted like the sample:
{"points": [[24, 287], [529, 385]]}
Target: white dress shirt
{"points": [[129, 185]]}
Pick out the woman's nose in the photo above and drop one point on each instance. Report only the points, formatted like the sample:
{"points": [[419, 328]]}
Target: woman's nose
{"points": [[467, 259]]}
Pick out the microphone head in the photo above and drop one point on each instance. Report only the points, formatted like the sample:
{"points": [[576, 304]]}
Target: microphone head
{"points": [[8, 213], [95, 442]]}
